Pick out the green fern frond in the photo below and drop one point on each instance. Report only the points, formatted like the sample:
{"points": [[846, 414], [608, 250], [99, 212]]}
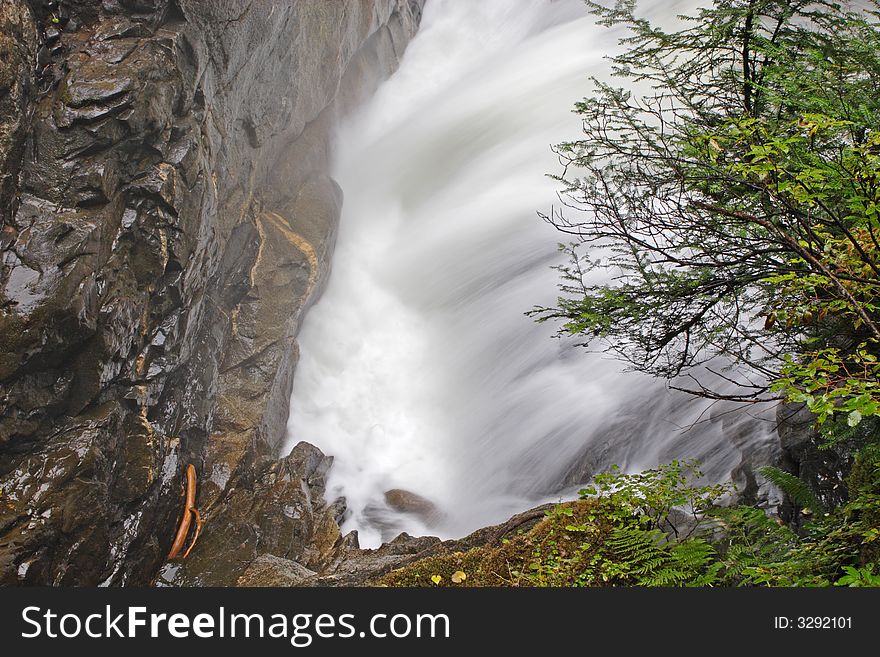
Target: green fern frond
{"points": [[710, 577], [645, 558], [755, 547], [797, 490]]}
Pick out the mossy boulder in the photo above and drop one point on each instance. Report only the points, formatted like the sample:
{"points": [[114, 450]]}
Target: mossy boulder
{"points": [[557, 549]]}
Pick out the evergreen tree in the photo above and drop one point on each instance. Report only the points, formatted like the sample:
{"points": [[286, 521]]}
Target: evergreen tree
{"points": [[734, 209]]}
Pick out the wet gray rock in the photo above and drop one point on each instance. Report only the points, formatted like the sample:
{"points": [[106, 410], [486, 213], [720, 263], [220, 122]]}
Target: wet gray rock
{"points": [[349, 565], [356, 567], [18, 49], [822, 469], [352, 566], [385, 515], [404, 501], [166, 220], [279, 510], [796, 428], [269, 570]]}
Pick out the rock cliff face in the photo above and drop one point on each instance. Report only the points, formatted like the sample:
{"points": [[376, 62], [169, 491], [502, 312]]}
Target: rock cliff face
{"points": [[167, 217]]}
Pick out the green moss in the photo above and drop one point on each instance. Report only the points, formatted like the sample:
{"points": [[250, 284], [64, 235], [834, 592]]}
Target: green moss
{"points": [[12, 333], [561, 550]]}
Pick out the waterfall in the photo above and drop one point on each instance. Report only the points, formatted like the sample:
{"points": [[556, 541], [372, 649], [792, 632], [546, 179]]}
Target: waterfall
{"points": [[419, 369]]}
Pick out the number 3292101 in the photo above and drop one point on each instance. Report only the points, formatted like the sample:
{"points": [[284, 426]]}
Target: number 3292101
{"points": [[813, 623]]}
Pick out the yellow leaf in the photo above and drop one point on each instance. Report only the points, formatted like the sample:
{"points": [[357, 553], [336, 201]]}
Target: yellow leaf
{"points": [[436, 579], [459, 576]]}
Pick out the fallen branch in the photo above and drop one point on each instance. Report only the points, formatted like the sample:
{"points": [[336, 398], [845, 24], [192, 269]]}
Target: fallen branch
{"points": [[518, 521], [189, 510]]}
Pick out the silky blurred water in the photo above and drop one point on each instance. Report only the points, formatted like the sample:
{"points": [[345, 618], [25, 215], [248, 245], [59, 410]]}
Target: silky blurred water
{"points": [[419, 369]]}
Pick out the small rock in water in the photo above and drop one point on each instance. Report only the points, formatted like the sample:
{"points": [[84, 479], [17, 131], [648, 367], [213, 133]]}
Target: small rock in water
{"points": [[404, 501]]}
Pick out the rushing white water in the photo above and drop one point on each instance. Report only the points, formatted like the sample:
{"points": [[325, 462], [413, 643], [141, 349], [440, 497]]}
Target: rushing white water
{"points": [[419, 369]]}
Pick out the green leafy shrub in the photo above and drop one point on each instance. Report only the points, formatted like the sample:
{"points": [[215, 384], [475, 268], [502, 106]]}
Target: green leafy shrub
{"points": [[650, 496], [863, 576]]}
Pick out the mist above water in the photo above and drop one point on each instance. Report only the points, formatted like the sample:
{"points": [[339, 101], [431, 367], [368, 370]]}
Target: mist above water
{"points": [[418, 369]]}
